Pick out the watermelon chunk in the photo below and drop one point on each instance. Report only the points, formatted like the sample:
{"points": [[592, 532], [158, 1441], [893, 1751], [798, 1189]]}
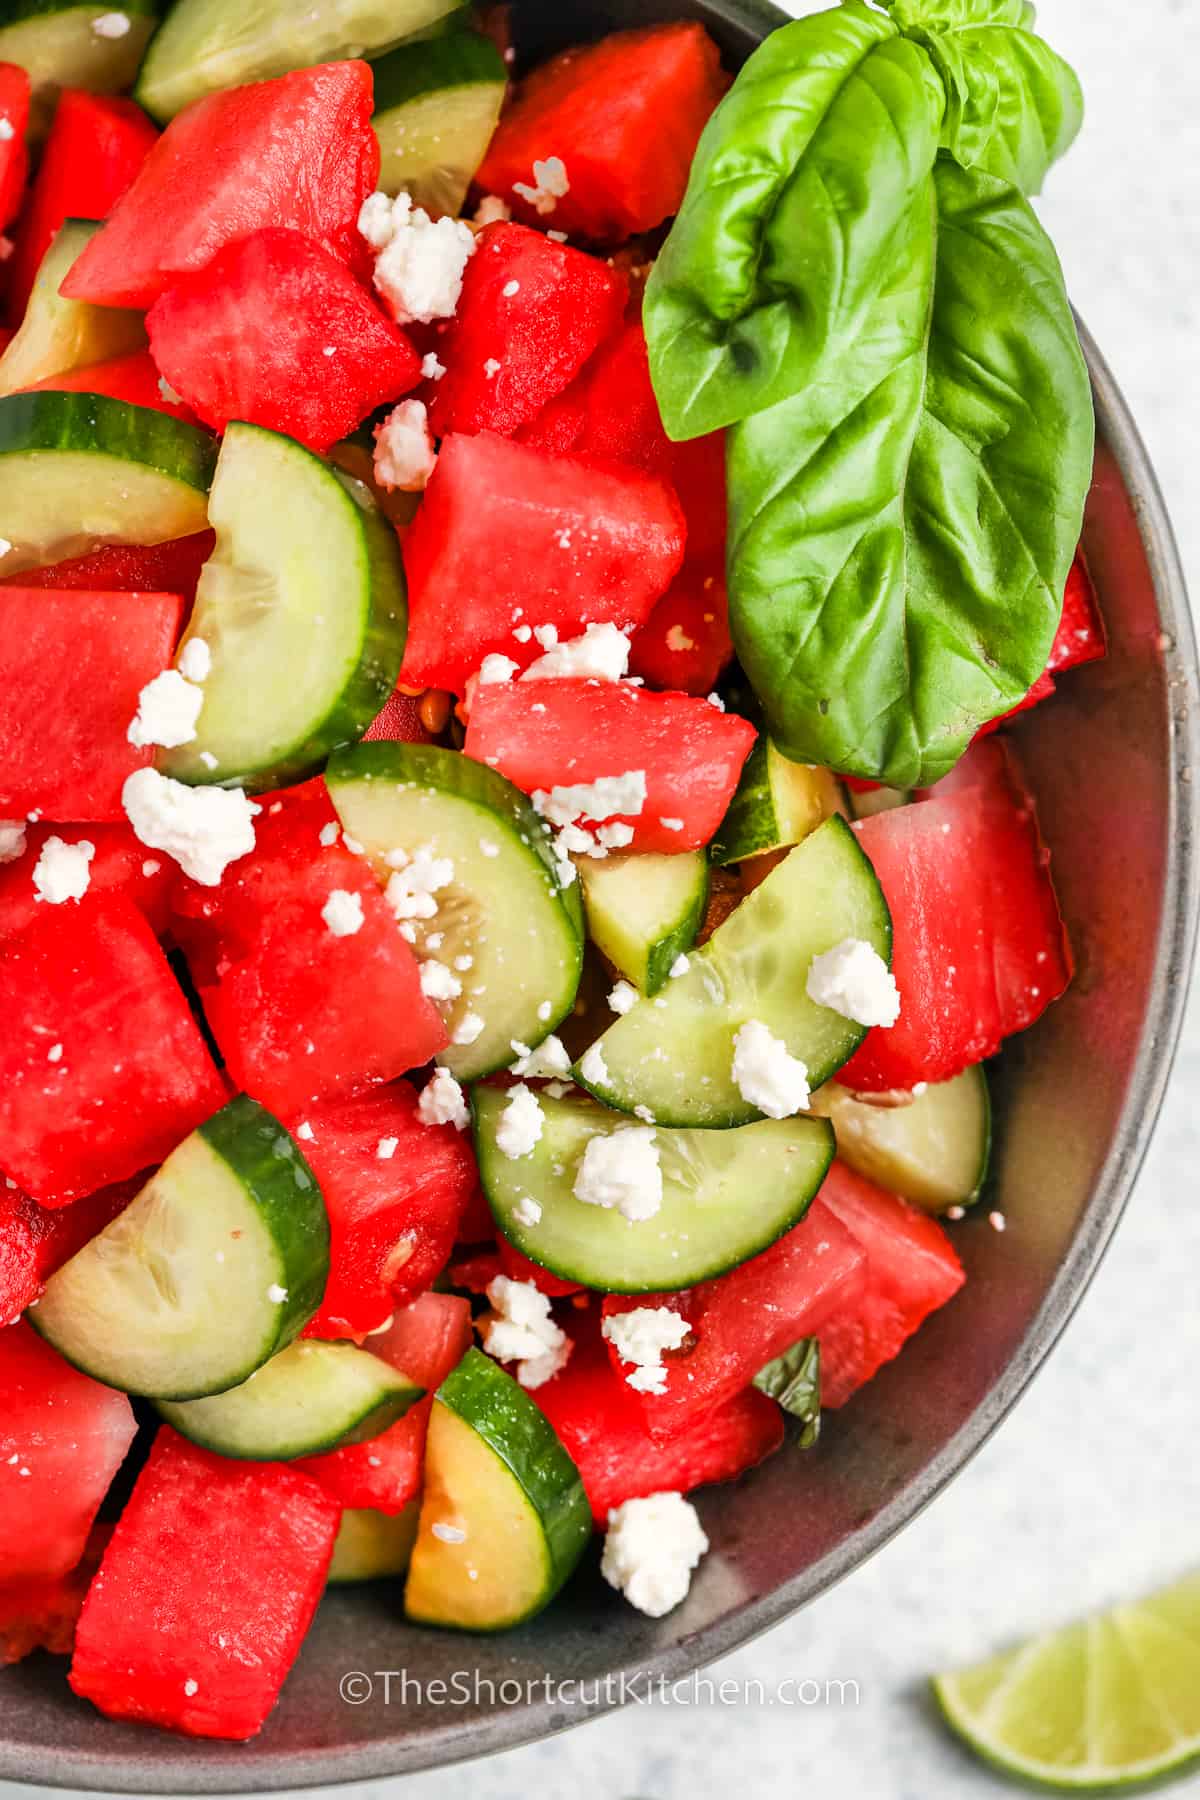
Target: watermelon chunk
{"points": [[131, 1076], [276, 331], [15, 90], [297, 151], [133, 378], [1080, 636], [601, 1424], [426, 1340], [62, 1439], [509, 536], [95, 148], [171, 568], [299, 1012], [476, 1273], [64, 749], [547, 734], [531, 313], [911, 1269], [393, 1220], [121, 864], [36, 1240], [205, 1592], [743, 1319], [40, 1613], [685, 643], [609, 409], [624, 117]]}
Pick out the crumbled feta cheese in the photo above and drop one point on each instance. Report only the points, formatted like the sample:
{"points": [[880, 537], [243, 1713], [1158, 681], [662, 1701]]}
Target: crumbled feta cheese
{"points": [[621, 1169], [492, 210], [997, 1221], [203, 828], [7, 131], [491, 368], [405, 457], [527, 1212], [623, 997], [168, 708], [496, 668], [432, 368], [714, 699], [276, 1294], [410, 890], [650, 1549], [343, 913], [195, 660], [190, 1687], [510, 289], [617, 836], [419, 261], [671, 824], [548, 1060], [304, 1130], [852, 979], [329, 835], [766, 1074], [386, 1148], [111, 25], [640, 1337], [61, 872], [601, 799], [679, 967], [54, 1053], [520, 1329], [469, 1027], [522, 633], [168, 392], [442, 1102], [438, 982], [593, 1067], [546, 636], [550, 185], [601, 654], [520, 1126], [12, 839]]}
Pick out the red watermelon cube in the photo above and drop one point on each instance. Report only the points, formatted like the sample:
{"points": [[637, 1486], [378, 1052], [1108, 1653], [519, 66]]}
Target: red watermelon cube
{"points": [[171, 568], [120, 864], [36, 1240], [15, 90], [609, 410], [133, 378]]}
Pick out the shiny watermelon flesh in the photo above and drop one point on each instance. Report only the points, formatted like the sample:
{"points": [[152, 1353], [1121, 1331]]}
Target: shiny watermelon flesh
{"points": [[171, 568], [36, 1240], [121, 864], [14, 155], [133, 378]]}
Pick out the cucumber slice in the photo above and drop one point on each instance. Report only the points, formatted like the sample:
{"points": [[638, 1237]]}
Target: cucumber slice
{"points": [[644, 911], [877, 800], [314, 1396], [935, 1150], [777, 803], [80, 470], [504, 907], [673, 1056], [302, 605], [58, 45], [218, 1263], [58, 335], [205, 45], [373, 1546], [504, 1518], [726, 1195], [437, 104]]}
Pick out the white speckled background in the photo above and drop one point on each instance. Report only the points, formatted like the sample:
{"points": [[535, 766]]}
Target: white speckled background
{"points": [[1092, 1489]]}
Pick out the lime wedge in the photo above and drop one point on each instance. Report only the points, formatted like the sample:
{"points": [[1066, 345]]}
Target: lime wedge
{"points": [[1106, 1703]]}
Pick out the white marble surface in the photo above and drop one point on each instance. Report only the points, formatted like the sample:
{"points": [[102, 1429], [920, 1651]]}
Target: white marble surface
{"points": [[1110, 1425]]}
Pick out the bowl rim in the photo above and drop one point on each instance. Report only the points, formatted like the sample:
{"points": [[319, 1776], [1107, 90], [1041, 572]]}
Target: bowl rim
{"points": [[184, 1767]]}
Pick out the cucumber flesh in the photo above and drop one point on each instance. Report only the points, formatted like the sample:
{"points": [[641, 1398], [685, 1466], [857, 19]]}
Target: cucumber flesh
{"points": [[644, 911], [312, 1397], [218, 1264], [934, 1150], [302, 606], [58, 335], [504, 1518], [60, 48], [877, 800], [777, 803], [503, 905], [207, 45], [373, 1546], [726, 1195], [672, 1056], [81, 470], [437, 104]]}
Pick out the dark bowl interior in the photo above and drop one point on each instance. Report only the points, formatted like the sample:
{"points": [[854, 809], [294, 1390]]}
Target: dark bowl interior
{"points": [[1111, 761]]}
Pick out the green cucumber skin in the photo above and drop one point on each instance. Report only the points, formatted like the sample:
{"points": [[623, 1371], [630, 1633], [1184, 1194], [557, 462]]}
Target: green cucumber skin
{"points": [[456, 59], [516, 1430], [652, 971], [373, 1546], [83, 423], [266, 1159], [748, 827], [665, 953]]}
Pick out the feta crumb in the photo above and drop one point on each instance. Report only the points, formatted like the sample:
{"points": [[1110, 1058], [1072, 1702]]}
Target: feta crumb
{"points": [[304, 1130], [61, 872], [601, 799], [510, 289], [527, 1212], [679, 967], [168, 708], [12, 839], [7, 131], [495, 668], [432, 368], [195, 660], [54, 1053], [190, 1686], [520, 1329], [617, 836], [343, 913], [491, 368], [714, 699], [386, 1148], [419, 262], [997, 1221], [111, 25], [492, 210], [203, 828], [405, 457], [671, 824], [448, 1534], [438, 982], [650, 1549], [623, 997], [410, 890], [150, 867], [329, 835], [442, 1102], [956, 1212], [548, 1060], [852, 979], [593, 1067], [621, 1169], [276, 1294], [521, 1122], [550, 185], [640, 1337], [523, 633], [546, 636], [469, 1027], [601, 653], [766, 1074]]}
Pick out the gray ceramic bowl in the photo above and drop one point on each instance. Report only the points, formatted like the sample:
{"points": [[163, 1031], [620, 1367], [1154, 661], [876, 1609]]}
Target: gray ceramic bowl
{"points": [[1112, 761]]}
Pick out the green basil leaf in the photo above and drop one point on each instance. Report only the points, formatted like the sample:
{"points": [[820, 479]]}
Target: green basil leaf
{"points": [[901, 531], [799, 189], [794, 1379], [954, 15]]}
